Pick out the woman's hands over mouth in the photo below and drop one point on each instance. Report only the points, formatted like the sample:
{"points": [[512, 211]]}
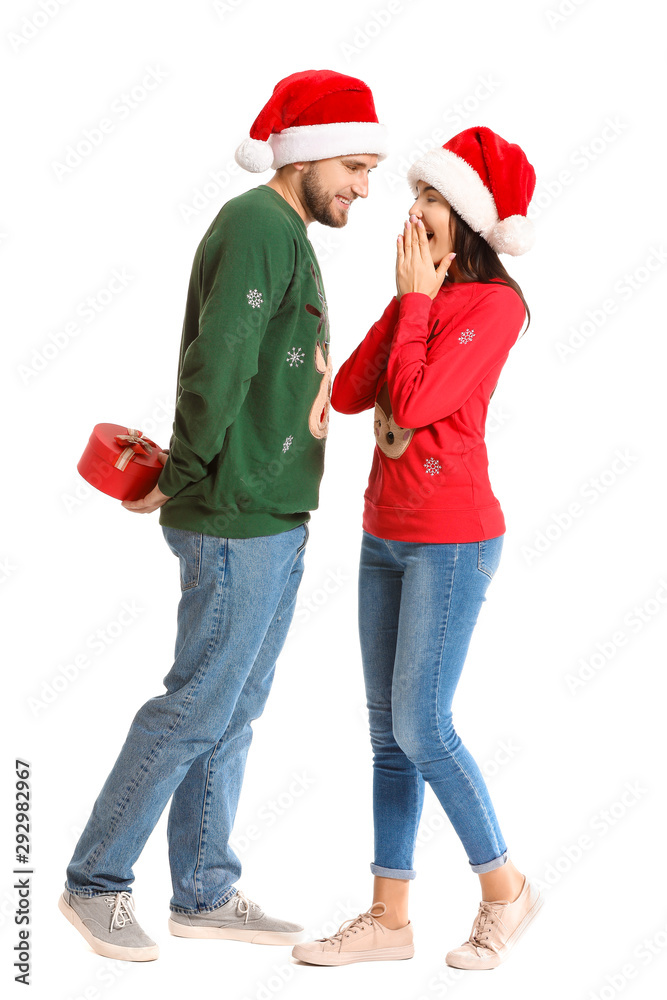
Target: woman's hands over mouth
{"points": [[415, 270]]}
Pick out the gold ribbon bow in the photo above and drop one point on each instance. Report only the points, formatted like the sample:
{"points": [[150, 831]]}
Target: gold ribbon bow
{"points": [[133, 443]]}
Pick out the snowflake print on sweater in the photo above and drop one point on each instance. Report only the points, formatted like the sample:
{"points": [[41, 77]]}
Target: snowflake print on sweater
{"points": [[287, 443], [254, 298], [466, 336], [432, 466], [295, 357]]}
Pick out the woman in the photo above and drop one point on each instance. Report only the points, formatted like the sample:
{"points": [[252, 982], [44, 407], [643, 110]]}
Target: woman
{"points": [[433, 533]]}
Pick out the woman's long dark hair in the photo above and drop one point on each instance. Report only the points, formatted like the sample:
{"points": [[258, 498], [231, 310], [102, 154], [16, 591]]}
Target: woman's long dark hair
{"points": [[476, 260]]}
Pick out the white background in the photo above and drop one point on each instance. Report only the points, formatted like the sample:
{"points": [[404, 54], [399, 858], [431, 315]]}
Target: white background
{"points": [[567, 591]]}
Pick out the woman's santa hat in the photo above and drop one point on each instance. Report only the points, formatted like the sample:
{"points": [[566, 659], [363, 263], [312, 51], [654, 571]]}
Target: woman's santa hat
{"points": [[488, 182], [311, 116]]}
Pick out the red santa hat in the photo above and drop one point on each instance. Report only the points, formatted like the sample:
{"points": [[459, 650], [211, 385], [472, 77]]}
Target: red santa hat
{"points": [[488, 182], [311, 116]]}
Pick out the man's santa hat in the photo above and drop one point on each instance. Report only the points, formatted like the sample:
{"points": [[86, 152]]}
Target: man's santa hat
{"points": [[311, 116], [488, 182]]}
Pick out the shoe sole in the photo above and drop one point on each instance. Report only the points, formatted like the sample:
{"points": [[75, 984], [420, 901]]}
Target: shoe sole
{"points": [[348, 958], [234, 934], [102, 947], [511, 941]]}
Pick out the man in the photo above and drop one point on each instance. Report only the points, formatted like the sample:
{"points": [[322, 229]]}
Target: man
{"points": [[240, 478]]}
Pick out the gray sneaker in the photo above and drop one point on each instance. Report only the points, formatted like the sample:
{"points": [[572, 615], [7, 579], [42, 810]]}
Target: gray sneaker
{"points": [[239, 919], [109, 925]]}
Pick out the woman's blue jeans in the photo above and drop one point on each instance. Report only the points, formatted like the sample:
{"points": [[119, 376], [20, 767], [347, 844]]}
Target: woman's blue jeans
{"points": [[237, 602], [418, 606]]}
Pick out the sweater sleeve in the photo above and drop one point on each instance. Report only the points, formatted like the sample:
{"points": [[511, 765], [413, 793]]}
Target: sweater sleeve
{"points": [[423, 392], [356, 381], [245, 270]]}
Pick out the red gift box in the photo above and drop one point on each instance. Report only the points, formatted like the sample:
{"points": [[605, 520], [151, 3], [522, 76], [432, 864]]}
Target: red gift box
{"points": [[120, 462]]}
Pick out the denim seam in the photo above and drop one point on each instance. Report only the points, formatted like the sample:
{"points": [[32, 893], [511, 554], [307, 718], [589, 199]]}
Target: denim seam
{"points": [[417, 816], [199, 893], [442, 742], [304, 543], [210, 648], [480, 561], [442, 648], [161, 743], [199, 542], [198, 558], [394, 557]]}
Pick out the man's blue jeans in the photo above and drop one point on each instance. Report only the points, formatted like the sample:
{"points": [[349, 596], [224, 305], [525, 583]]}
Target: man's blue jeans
{"points": [[237, 602], [418, 606]]}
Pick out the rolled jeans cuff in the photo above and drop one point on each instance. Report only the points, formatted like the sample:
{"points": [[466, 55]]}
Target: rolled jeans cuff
{"points": [[393, 872], [489, 866], [224, 898]]}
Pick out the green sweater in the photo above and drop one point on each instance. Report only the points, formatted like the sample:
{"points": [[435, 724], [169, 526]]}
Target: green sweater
{"points": [[252, 402]]}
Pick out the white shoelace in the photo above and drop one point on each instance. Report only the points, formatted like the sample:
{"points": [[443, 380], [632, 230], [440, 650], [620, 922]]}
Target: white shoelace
{"points": [[122, 907], [243, 904]]}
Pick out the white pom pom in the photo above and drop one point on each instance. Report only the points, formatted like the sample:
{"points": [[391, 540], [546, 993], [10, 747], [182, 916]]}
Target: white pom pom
{"points": [[514, 235], [254, 155]]}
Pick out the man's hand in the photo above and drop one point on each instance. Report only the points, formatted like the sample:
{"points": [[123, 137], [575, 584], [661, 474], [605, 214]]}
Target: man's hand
{"points": [[415, 271], [153, 500]]}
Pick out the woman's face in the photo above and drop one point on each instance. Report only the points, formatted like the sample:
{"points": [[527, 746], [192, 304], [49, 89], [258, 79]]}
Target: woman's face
{"points": [[433, 210]]}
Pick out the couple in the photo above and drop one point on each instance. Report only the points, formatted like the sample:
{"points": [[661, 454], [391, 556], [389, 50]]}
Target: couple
{"points": [[240, 478]]}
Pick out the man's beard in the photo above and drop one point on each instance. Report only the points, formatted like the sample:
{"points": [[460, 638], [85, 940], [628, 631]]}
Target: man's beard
{"points": [[317, 200]]}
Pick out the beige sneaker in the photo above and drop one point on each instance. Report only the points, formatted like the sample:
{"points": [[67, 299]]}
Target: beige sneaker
{"points": [[497, 928], [362, 940]]}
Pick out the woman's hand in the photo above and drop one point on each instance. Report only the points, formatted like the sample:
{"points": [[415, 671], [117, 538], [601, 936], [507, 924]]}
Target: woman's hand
{"points": [[415, 270]]}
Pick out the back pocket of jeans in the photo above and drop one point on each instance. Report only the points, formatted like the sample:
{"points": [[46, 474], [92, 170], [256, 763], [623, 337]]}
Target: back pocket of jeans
{"points": [[489, 555], [187, 545]]}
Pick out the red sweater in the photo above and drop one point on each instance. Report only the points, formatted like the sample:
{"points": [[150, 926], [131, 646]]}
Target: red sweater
{"points": [[429, 367]]}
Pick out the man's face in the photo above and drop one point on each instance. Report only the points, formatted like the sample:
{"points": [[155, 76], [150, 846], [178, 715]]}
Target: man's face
{"points": [[328, 187]]}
